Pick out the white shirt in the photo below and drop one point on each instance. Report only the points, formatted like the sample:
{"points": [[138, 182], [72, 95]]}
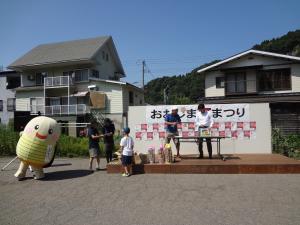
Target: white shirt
{"points": [[203, 119], [127, 144]]}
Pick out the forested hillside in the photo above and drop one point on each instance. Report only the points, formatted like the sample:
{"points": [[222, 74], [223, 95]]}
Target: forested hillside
{"points": [[286, 44], [186, 89]]}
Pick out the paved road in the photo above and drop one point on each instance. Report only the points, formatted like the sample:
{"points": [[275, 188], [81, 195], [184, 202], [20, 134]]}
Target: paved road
{"points": [[72, 195]]}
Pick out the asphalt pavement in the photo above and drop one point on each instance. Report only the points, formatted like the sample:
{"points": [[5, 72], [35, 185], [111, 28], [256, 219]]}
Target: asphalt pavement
{"points": [[71, 194]]}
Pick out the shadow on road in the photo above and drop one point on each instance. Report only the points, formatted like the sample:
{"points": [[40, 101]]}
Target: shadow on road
{"points": [[61, 164], [66, 174]]}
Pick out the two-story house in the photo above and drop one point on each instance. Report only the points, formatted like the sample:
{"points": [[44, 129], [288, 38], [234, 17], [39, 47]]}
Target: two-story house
{"points": [[9, 80], [257, 76], [74, 80]]}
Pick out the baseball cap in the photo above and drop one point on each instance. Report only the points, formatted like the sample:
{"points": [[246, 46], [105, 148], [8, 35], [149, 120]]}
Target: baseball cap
{"points": [[174, 108], [126, 130]]}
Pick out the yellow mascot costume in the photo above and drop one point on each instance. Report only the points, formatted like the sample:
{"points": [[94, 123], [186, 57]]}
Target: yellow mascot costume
{"points": [[36, 146]]}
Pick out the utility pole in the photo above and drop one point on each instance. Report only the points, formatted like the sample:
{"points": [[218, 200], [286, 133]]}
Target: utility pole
{"points": [[143, 74], [166, 95]]}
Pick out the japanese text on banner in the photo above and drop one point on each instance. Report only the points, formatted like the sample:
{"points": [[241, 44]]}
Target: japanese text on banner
{"points": [[187, 113]]}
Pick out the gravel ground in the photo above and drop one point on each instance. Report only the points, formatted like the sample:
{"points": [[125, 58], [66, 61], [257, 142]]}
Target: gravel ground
{"points": [[72, 195]]}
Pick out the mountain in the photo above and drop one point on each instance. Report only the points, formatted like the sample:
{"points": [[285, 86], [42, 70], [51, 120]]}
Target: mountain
{"points": [[186, 89], [287, 44], [183, 89]]}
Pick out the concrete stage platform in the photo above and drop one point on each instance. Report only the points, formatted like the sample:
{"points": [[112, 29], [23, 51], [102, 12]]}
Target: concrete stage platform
{"points": [[235, 164]]}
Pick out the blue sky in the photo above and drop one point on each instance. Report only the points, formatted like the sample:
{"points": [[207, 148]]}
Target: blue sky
{"points": [[172, 36]]}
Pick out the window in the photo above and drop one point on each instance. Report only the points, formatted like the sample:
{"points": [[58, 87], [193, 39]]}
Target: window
{"points": [[11, 104], [274, 80], [131, 100], [1, 105], [235, 83], [13, 82], [68, 73], [103, 55], [39, 78], [106, 57], [36, 105], [95, 73], [81, 75], [55, 101], [72, 100], [219, 82], [83, 100]]}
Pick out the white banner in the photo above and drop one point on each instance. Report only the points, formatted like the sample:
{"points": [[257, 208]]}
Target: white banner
{"points": [[187, 113]]}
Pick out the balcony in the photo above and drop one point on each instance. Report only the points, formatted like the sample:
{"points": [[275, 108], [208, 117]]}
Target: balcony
{"points": [[59, 81], [78, 109], [57, 110]]}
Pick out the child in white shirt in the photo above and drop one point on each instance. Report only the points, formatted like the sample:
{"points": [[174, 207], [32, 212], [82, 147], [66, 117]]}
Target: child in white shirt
{"points": [[127, 145]]}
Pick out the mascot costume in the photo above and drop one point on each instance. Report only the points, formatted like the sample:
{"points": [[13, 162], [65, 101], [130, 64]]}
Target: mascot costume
{"points": [[36, 146]]}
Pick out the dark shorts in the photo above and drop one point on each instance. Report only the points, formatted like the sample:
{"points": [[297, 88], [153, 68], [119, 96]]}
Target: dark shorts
{"points": [[109, 147], [126, 160]]}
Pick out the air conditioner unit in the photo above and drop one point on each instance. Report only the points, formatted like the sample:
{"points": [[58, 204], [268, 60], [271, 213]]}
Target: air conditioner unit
{"points": [[92, 86]]}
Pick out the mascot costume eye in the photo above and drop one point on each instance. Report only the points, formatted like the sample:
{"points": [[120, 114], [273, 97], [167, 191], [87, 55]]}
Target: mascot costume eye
{"points": [[36, 146]]}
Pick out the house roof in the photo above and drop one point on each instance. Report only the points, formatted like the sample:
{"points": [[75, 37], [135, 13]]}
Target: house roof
{"points": [[120, 83], [251, 51], [6, 72], [64, 52]]}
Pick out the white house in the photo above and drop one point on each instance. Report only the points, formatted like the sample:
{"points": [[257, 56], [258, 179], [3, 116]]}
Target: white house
{"points": [[256, 76], [72, 80]]}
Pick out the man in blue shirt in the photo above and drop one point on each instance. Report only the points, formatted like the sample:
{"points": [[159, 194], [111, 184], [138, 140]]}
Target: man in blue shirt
{"points": [[172, 120]]}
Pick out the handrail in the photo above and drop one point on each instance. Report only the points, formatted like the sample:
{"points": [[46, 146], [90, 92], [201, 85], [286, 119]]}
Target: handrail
{"points": [[58, 81], [75, 109]]}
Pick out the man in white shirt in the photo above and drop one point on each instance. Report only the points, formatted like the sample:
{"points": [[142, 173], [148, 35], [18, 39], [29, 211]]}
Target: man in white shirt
{"points": [[204, 120]]}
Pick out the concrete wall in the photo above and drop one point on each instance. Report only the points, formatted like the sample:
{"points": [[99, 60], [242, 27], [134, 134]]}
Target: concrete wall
{"points": [[261, 144]]}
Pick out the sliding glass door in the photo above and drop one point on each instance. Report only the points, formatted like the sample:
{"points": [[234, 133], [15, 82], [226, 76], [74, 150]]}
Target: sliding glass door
{"points": [[235, 83]]}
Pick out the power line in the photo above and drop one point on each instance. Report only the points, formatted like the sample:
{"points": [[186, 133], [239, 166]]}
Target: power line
{"points": [[195, 57]]}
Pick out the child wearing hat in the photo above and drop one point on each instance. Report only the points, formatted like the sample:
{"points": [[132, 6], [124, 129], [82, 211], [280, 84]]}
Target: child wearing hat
{"points": [[127, 145]]}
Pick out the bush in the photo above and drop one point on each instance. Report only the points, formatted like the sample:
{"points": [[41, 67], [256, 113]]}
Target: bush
{"points": [[287, 145], [66, 146], [8, 141], [74, 147]]}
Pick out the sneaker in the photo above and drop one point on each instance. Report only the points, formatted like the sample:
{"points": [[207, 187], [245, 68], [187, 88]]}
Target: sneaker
{"points": [[125, 175], [97, 168]]}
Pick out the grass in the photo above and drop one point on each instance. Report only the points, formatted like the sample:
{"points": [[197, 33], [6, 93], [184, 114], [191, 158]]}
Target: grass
{"points": [[66, 146]]}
